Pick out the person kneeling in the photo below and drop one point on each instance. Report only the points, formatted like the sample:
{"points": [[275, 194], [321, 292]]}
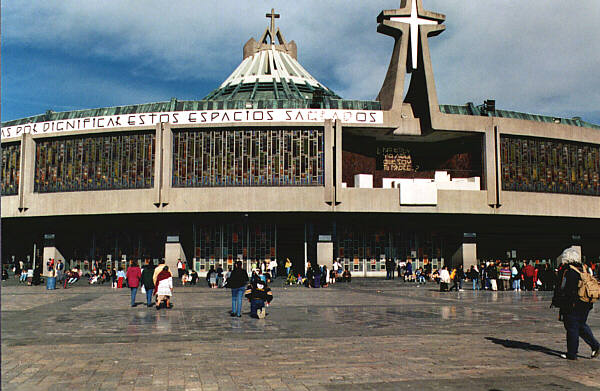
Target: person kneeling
{"points": [[258, 292], [164, 288]]}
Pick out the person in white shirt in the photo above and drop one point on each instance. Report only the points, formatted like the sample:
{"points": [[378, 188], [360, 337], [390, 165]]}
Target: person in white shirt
{"points": [[444, 279]]}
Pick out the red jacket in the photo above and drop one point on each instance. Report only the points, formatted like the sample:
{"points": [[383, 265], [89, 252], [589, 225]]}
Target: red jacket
{"points": [[528, 271], [134, 274]]}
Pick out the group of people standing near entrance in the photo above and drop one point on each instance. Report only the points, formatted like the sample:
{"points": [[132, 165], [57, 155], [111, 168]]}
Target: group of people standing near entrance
{"points": [[156, 281]]}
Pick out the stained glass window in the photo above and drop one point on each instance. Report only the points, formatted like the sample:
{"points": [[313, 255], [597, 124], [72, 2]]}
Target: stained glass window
{"points": [[355, 246], [222, 244], [104, 162], [11, 164], [549, 166], [218, 158]]}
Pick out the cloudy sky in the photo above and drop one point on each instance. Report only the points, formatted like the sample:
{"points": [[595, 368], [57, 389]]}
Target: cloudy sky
{"points": [[535, 56]]}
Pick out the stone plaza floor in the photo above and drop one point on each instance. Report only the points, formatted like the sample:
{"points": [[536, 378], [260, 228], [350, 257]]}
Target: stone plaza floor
{"points": [[368, 335]]}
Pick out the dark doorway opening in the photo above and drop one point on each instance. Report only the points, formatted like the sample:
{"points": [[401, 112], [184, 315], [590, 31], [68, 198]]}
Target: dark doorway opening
{"points": [[290, 244]]}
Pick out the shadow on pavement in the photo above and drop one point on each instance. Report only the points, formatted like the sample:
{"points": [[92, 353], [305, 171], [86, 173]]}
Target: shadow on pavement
{"points": [[508, 343]]}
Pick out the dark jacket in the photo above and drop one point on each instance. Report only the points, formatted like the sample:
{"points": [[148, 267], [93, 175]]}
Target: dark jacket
{"points": [[259, 291], [237, 279], [147, 275], [570, 293]]}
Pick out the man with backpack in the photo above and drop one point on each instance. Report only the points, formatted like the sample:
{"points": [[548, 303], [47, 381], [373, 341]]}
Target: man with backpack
{"points": [[575, 294]]}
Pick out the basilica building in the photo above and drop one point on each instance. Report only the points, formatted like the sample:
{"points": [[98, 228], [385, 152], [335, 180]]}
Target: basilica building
{"points": [[273, 164]]}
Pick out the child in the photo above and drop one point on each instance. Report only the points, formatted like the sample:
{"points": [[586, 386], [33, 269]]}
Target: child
{"points": [[257, 293]]}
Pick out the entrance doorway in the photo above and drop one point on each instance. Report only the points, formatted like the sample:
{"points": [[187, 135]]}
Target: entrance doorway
{"points": [[290, 244]]}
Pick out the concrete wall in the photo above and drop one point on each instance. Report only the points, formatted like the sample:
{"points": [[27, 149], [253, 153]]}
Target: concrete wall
{"points": [[331, 197]]}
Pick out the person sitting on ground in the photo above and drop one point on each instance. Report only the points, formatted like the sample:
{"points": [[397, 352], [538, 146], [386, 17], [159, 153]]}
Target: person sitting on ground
{"points": [[194, 277], [23, 277], [346, 275], [73, 277], [93, 279], [291, 279], [257, 294], [185, 278], [4, 274], [164, 288]]}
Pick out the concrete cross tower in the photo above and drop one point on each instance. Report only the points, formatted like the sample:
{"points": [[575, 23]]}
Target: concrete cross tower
{"points": [[410, 26], [273, 16]]}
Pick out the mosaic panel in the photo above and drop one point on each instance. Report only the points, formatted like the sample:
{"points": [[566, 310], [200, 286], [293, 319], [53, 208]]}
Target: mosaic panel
{"points": [[106, 162], [11, 165], [549, 166]]}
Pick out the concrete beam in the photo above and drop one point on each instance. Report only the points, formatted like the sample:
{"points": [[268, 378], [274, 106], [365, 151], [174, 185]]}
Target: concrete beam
{"points": [[338, 161], [158, 167], [167, 164], [329, 191], [26, 171]]}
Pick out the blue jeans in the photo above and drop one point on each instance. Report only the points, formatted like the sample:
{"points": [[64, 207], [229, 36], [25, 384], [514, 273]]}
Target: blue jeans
{"points": [[149, 296], [287, 271], [475, 284], [237, 295], [516, 284], [255, 305], [133, 293], [575, 324]]}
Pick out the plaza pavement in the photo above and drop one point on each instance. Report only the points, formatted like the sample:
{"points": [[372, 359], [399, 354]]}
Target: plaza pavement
{"points": [[369, 335]]}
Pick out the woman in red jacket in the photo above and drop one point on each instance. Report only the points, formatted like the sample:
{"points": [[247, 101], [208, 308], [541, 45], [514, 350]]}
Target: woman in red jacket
{"points": [[134, 274]]}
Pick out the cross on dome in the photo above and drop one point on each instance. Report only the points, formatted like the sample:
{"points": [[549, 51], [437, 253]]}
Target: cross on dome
{"points": [[414, 21], [272, 16]]}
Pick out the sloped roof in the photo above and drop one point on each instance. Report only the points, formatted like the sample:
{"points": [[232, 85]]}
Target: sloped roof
{"points": [[471, 109]]}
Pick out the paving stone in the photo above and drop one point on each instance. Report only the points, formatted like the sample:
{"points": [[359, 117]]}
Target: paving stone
{"points": [[371, 334]]}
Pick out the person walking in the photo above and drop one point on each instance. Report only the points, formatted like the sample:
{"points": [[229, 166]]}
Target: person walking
{"points": [[113, 278], [455, 280], [573, 310], [211, 277], [237, 283], [444, 279], [288, 266], [516, 277], [60, 271], [493, 276], [528, 275], [157, 270], [505, 275], [179, 268], [473, 274], [147, 274], [134, 274], [120, 277], [164, 287]]}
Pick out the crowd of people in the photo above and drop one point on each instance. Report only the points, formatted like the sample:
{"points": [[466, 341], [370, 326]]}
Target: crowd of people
{"points": [[494, 275]]}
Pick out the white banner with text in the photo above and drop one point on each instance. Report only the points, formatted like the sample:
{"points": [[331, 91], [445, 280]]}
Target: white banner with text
{"points": [[292, 116]]}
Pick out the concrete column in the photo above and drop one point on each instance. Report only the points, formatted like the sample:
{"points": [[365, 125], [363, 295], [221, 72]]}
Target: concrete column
{"points": [[489, 158], [174, 252], [158, 166], [51, 252], [167, 164], [329, 162], [26, 170], [325, 254], [465, 255], [338, 161], [498, 168]]}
